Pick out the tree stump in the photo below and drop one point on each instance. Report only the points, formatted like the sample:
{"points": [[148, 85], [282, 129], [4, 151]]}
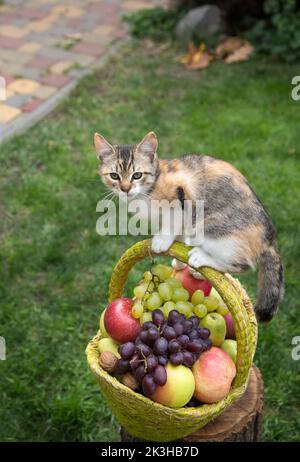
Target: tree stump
{"points": [[241, 422]]}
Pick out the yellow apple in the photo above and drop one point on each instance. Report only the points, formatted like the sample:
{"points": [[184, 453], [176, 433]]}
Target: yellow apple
{"points": [[108, 344], [179, 388]]}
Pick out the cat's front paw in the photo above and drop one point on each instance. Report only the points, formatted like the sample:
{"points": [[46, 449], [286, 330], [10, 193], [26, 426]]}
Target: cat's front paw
{"points": [[195, 273], [178, 265], [196, 257], [161, 244]]}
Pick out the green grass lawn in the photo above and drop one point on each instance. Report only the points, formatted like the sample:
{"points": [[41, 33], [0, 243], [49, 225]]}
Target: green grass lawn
{"points": [[55, 269]]}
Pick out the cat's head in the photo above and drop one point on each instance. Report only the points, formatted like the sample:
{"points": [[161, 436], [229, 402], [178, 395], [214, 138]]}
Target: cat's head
{"points": [[128, 170]]}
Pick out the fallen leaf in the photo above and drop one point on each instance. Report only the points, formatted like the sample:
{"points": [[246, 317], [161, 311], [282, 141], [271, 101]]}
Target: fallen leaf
{"points": [[242, 54], [229, 45], [196, 58], [202, 47], [183, 59], [191, 48], [202, 60]]}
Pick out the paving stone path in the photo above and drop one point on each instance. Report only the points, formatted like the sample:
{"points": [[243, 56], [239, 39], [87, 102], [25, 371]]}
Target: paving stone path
{"points": [[47, 45]]}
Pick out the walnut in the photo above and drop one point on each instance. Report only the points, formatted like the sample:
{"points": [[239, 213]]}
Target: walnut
{"points": [[108, 361], [129, 381]]}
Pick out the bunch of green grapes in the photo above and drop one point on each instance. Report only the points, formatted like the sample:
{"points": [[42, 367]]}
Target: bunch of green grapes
{"points": [[159, 290], [204, 305]]}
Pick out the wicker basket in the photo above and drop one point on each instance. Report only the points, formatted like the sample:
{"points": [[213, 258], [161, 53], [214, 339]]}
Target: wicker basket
{"points": [[141, 416]]}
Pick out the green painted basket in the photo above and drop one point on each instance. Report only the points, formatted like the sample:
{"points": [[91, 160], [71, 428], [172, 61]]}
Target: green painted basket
{"points": [[151, 421]]}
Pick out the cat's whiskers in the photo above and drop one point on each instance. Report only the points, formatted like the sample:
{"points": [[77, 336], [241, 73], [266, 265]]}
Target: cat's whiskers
{"points": [[108, 196], [147, 196]]}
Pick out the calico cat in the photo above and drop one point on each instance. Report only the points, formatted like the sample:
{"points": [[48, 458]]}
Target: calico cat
{"points": [[238, 232]]}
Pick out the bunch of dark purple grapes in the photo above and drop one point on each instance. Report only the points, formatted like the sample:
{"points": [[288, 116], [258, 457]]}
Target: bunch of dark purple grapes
{"points": [[178, 340]]}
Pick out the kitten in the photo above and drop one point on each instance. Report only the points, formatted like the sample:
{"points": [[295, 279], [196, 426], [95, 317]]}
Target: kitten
{"points": [[238, 232]]}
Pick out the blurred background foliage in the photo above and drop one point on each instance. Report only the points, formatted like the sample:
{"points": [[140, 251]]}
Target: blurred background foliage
{"points": [[273, 26]]}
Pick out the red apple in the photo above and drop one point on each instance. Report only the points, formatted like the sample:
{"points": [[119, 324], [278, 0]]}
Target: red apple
{"points": [[214, 372], [118, 321], [191, 284], [230, 330]]}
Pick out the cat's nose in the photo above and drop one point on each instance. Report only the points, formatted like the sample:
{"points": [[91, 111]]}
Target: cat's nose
{"points": [[125, 189]]}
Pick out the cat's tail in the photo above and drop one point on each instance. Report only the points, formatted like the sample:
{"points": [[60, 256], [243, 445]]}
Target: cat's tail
{"points": [[271, 286]]}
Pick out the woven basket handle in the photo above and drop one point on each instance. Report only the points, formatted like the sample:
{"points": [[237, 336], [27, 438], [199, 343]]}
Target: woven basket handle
{"points": [[244, 334]]}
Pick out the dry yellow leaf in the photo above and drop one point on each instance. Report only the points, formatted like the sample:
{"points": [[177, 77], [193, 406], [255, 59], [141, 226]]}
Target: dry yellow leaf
{"points": [[183, 59], [242, 54], [229, 45], [196, 58], [203, 61], [191, 48], [188, 58], [202, 47]]}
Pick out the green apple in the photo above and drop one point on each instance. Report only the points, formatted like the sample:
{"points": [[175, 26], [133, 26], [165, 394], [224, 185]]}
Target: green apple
{"points": [[214, 302], [102, 326], [217, 326], [230, 347], [216, 294], [179, 388], [108, 344]]}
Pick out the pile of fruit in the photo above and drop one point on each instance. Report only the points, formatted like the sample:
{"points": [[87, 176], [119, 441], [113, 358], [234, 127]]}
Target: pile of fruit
{"points": [[174, 341]]}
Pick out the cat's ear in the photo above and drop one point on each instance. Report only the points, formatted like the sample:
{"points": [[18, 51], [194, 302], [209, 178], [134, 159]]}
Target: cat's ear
{"points": [[103, 148], [148, 145]]}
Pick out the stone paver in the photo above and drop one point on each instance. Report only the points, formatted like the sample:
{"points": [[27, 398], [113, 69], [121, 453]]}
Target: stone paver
{"points": [[8, 113], [44, 91], [31, 105], [18, 100], [23, 86], [30, 47], [40, 62], [47, 45], [61, 67], [56, 80]]}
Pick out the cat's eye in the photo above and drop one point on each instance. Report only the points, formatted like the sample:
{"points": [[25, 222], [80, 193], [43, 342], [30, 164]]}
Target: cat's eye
{"points": [[137, 175], [114, 176]]}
